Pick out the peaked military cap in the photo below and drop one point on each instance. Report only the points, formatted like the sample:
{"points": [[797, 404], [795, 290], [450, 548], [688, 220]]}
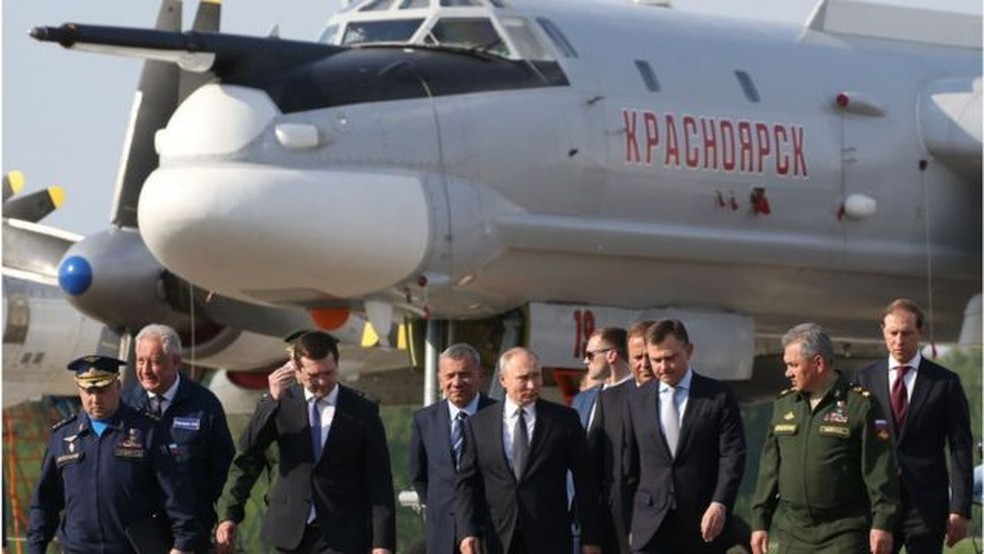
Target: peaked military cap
{"points": [[95, 371]]}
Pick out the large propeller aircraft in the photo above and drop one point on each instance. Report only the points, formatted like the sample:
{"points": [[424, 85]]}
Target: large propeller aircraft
{"points": [[126, 288], [550, 167]]}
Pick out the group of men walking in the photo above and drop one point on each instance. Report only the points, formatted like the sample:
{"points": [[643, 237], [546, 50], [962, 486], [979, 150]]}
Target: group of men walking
{"points": [[650, 458]]}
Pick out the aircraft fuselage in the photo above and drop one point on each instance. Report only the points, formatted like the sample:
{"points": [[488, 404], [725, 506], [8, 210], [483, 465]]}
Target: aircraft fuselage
{"points": [[652, 158]]}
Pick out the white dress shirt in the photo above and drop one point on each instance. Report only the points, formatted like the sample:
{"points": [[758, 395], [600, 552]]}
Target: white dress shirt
{"points": [[509, 416], [909, 379]]}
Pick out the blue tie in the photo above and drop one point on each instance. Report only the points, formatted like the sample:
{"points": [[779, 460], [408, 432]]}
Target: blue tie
{"points": [[315, 429], [458, 436]]}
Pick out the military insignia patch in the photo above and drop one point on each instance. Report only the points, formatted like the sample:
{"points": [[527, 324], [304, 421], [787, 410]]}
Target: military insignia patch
{"points": [[131, 446], [881, 429], [784, 429], [789, 416], [836, 416]]}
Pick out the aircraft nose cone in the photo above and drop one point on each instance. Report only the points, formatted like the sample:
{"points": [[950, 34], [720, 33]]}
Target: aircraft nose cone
{"points": [[275, 235], [75, 275]]}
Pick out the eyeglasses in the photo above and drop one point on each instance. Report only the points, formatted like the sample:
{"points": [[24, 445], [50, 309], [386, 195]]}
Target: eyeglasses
{"points": [[590, 354]]}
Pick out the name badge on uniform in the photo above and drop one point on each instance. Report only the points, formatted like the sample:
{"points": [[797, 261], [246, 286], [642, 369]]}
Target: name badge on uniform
{"points": [[784, 429], [187, 423], [73, 458], [835, 431]]}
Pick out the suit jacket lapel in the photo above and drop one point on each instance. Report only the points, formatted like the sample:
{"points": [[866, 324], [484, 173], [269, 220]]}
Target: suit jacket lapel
{"points": [[879, 386], [443, 427], [541, 430], [924, 384], [651, 407], [497, 432], [695, 404]]}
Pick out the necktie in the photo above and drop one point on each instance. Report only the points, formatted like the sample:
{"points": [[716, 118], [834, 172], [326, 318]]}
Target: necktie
{"points": [[521, 444], [315, 421], [900, 397], [155, 405], [669, 418], [458, 437]]}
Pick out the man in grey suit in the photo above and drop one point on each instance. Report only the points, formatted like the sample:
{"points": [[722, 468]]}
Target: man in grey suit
{"points": [[929, 416], [437, 442]]}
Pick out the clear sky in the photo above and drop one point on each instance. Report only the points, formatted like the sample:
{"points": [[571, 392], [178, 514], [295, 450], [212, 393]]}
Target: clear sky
{"points": [[65, 113]]}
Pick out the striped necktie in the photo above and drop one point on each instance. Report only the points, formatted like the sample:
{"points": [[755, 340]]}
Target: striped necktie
{"points": [[458, 437]]}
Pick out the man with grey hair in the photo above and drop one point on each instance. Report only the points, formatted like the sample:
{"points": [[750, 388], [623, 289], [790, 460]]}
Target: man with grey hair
{"points": [[437, 442], [190, 415], [827, 470], [514, 470]]}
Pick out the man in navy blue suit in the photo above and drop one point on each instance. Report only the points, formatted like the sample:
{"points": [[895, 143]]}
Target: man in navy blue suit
{"points": [[191, 417], [437, 442], [684, 452], [929, 416]]}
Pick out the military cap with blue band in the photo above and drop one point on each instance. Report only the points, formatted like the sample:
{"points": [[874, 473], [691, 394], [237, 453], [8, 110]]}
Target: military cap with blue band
{"points": [[95, 371]]}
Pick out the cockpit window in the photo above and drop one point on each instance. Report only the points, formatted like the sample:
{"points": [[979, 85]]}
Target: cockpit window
{"points": [[468, 32], [410, 4], [454, 3], [558, 38], [329, 34], [529, 47], [394, 30]]}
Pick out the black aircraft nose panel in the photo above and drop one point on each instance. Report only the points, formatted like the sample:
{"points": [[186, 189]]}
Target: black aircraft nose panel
{"points": [[358, 76]]}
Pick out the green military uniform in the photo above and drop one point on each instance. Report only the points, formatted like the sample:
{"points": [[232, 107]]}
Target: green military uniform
{"points": [[828, 470]]}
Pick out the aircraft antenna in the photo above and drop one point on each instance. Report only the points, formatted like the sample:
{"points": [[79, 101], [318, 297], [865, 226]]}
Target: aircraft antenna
{"points": [[923, 165]]}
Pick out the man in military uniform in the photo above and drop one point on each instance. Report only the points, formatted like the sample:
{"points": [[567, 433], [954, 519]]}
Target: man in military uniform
{"points": [[118, 486], [827, 470]]}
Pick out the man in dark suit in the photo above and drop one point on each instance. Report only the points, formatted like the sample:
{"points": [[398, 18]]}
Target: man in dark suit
{"points": [[334, 492], [190, 416], [607, 440], [513, 472], [685, 451], [929, 414], [437, 442], [638, 356]]}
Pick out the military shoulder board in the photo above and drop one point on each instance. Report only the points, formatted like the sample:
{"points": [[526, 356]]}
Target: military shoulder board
{"points": [[62, 423]]}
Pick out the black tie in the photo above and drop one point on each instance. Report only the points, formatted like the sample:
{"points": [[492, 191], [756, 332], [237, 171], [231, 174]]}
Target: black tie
{"points": [[521, 445], [155, 405], [458, 436]]}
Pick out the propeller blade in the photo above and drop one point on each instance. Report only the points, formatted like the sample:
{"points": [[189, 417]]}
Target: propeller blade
{"points": [[32, 207], [13, 182], [207, 19], [155, 101]]}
